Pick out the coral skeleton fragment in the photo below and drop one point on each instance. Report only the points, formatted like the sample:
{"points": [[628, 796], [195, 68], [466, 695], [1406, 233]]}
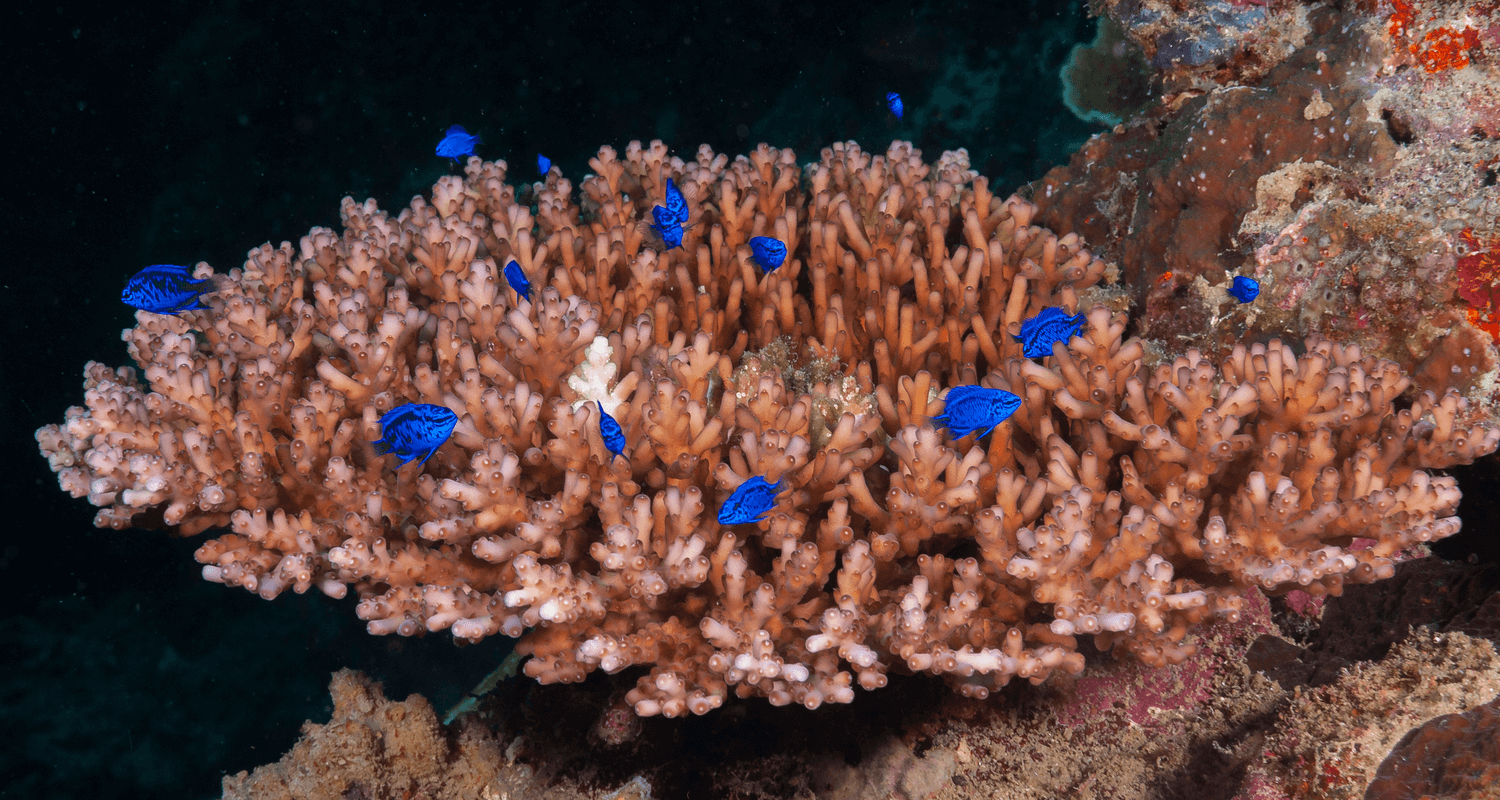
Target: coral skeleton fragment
{"points": [[602, 425]]}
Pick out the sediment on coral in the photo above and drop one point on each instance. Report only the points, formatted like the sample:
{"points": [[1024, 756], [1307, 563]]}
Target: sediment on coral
{"points": [[1118, 502]]}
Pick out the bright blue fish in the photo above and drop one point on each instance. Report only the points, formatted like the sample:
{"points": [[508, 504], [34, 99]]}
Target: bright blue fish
{"points": [[1245, 289], [517, 279], [168, 289], [543, 164], [749, 502], [1052, 325], [457, 142], [614, 437], [676, 203], [667, 226], [415, 429], [967, 409], [769, 253], [893, 102]]}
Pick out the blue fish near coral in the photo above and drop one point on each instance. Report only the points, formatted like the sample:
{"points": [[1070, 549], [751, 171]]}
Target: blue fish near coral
{"points": [[676, 203], [415, 429], [457, 142], [967, 409], [667, 226], [893, 102], [749, 502], [769, 253], [517, 279], [609, 429], [543, 164], [168, 289], [1052, 325], [1245, 289]]}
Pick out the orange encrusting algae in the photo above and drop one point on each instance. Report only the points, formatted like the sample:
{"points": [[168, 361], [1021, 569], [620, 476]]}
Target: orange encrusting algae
{"points": [[1443, 48]]}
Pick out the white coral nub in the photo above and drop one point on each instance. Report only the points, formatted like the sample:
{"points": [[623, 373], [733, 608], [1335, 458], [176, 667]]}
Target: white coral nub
{"points": [[592, 378]]}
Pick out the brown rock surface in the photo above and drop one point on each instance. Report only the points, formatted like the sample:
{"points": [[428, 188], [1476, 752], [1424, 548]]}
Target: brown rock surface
{"points": [[1455, 757], [1350, 178]]}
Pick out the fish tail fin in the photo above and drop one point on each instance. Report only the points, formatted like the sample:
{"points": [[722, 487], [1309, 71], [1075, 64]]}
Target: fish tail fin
{"points": [[209, 285], [381, 446]]}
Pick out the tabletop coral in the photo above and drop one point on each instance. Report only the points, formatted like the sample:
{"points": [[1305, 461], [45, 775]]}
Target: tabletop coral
{"points": [[1118, 501]]}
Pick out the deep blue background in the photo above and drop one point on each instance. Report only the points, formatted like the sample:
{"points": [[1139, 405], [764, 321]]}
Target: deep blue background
{"points": [[192, 132]]}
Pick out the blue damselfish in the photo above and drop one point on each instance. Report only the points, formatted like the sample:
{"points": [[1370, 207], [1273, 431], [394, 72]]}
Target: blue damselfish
{"points": [[457, 142], [769, 253], [1245, 289], [168, 289], [543, 164], [1054, 324], [517, 279], [893, 102], [749, 502], [667, 226], [676, 203], [614, 437], [967, 409], [415, 429]]}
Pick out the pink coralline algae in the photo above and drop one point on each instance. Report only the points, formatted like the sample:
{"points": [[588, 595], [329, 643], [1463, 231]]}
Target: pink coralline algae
{"points": [[1479, 279]]}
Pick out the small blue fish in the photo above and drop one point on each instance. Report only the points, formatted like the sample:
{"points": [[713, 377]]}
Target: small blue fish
{"points": [[893, 102], [749, 502], [457, 142], [614, 437], [676, 203], [415, 429], [967, 409], [517, 279], [769, 253], [168, 289], [1052, 325], [1245, 289], [667, 226], [543, 164]]}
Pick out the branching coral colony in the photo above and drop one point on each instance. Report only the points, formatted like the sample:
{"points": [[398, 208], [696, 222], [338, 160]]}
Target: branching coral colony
{"points": [[1120, 502]]}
